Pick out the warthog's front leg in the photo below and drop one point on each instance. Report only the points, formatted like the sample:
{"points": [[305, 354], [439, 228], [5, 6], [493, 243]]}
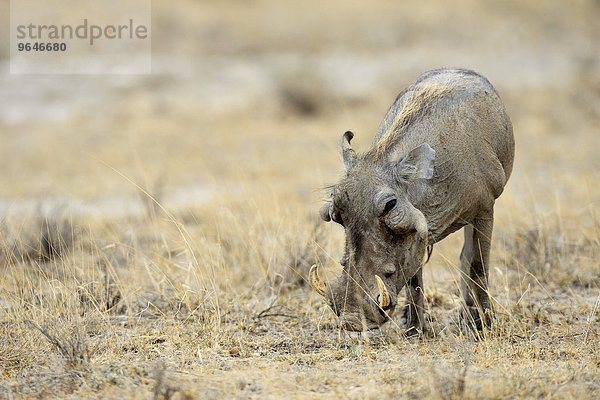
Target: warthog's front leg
{"points": [[474, 259], [412, 316]]}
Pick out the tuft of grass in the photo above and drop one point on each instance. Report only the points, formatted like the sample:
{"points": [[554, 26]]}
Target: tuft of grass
{"points": [[72, 344], [40, 238]]}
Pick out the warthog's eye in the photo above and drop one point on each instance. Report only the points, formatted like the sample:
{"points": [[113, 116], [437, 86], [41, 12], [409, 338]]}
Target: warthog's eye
{"points": [[388, 207]]}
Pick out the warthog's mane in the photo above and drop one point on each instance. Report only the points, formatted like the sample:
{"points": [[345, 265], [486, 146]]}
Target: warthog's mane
{"points": [[416, 102]]}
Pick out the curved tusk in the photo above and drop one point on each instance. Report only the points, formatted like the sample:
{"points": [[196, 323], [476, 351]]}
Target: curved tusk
{"points": [[384, 296], [315, 281], [427, 256]]}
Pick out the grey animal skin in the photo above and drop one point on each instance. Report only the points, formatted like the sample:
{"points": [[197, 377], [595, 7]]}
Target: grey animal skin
{"points": [[440, 158]]}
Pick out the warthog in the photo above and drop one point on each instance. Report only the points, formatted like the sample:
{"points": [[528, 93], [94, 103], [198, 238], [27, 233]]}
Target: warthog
{"points": [[439, 160]]}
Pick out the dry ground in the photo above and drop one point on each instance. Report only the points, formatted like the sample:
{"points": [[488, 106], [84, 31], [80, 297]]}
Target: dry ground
{"points": [[155, 232]]}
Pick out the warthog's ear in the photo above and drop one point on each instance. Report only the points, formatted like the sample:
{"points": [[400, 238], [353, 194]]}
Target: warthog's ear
{"points": [[348, 154], [418, 164]]}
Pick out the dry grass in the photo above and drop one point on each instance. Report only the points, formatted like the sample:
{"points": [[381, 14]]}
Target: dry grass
{"points": [[158, 249]]}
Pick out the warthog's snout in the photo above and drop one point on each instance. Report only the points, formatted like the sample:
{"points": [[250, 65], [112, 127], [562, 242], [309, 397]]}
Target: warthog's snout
{"points": [[357, 312]]}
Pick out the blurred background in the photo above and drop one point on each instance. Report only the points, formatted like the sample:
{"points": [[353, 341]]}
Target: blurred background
{"points": [[243, 90]]}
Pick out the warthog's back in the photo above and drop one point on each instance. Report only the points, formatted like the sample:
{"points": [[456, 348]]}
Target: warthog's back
{"points": [[459, 113]]}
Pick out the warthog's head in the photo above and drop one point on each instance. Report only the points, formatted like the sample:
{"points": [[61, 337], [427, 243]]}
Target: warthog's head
{"points": [[386, 236]]}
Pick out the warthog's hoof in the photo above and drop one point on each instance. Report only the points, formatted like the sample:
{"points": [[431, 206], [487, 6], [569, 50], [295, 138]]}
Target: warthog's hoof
{"points": [[474, 319], [415, 328]]}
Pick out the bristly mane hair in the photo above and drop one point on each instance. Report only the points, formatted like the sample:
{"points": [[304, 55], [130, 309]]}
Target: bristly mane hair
{"points": [[416, 104]]}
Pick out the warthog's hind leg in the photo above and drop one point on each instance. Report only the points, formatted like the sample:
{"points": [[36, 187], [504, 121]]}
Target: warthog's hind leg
{"points": [[474, 260]]}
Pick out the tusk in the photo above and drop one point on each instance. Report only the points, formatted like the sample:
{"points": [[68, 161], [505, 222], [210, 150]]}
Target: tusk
{"points": [[315, 281], [384, 296], [428, 255]]}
